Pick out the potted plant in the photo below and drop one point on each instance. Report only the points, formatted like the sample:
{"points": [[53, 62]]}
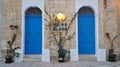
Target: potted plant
{"points": [[8, 57], [59, 37], [111, 55], [61, 54], [11, 54]]}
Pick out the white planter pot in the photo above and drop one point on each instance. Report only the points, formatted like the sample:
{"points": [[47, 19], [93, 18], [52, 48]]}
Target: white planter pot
{"points": [[18, 59]]}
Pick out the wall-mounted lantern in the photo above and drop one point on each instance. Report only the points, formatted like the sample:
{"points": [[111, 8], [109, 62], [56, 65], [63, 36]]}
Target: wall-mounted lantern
{"points": [[62, 26], [60, 17]]}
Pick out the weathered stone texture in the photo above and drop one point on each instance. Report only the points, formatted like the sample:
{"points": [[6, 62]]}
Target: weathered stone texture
{"points": [[101, 23], [66, 7], [117, 42], [11, 14], [109, 21], [118, 14]]}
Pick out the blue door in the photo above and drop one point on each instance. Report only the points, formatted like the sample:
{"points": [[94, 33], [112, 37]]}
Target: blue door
{"points": [[86, 34], [33, 34]]}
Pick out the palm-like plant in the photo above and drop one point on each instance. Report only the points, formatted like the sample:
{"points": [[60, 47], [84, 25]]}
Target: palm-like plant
{"points": [[111, 55], [111, 39], [60, 38], [11, 51]]}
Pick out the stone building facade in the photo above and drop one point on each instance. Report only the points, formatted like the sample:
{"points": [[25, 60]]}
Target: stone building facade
{"points": [[108, 22], [0, 24], [106, 19]]}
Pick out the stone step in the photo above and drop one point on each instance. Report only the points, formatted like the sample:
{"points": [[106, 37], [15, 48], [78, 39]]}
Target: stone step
{"points": [[87, 58], [32, 58]]}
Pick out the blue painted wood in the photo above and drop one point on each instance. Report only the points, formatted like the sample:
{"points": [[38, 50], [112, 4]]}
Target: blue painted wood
{"points": [[33, 34], [86, 34]]}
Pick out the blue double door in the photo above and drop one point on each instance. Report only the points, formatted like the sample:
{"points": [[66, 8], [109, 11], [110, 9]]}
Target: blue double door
{"points": [[33, 34], [86, 34]]}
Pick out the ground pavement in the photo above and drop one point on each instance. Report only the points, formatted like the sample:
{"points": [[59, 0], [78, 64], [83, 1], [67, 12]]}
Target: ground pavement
{"points": [[65, 64]]}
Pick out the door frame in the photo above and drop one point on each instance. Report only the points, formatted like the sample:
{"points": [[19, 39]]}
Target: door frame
{"points": [[23, 30], [94, 33], [26, 4], [27, 34], [96, 27]]}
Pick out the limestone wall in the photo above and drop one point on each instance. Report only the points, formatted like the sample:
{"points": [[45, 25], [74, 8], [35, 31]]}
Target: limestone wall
{"points": [[101, 23], [109, 22], [118, 26], [66, 7], [0, 26], [118, 14], [11, 14]]}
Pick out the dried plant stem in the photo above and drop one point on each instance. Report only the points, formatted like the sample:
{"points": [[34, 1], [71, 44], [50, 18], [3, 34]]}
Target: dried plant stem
{"points": [[112, 40], [62, 39]]}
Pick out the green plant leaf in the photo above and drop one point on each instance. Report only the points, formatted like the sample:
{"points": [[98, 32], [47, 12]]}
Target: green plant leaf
{"points": [[9, 42], [17, 54], [16, 48], [16, 27], [62, 52]]}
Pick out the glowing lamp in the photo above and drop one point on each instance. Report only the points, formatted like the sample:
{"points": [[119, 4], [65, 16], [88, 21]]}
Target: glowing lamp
{"points": [[60, 17]]}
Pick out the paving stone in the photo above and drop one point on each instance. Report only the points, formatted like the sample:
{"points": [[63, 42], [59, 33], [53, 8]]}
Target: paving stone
{"points": [[19, 64], [65, 64], [37, 64], [7, 65], [26, 64], [49, 65]]}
